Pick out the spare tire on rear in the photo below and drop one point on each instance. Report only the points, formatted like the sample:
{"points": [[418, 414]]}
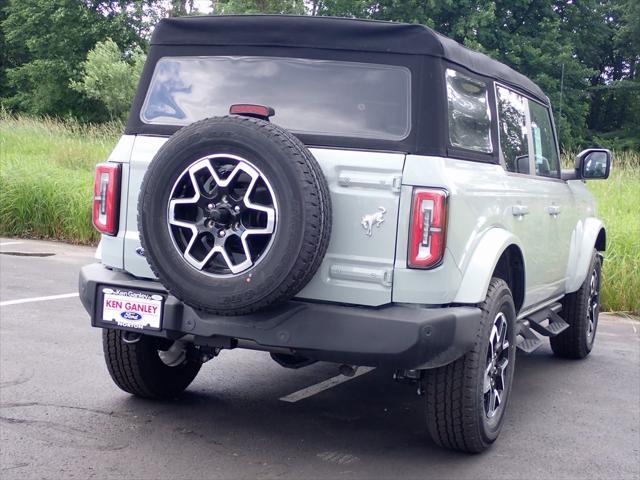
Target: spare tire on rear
{"points": [[234, 215]]}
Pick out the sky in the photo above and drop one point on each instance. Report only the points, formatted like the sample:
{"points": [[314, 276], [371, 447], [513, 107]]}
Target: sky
{"points": [[203, 5]]}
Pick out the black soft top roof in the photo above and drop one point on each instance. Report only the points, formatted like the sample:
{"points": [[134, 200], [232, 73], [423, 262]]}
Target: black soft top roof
{"points": [[333, 34]]}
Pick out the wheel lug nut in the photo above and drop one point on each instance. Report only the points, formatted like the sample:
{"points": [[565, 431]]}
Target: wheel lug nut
{"points": [[236, 209], [210, 206], [221, 233]]}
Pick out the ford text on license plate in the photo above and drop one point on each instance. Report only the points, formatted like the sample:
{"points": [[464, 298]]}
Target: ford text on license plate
{"points": [[131, 308]]}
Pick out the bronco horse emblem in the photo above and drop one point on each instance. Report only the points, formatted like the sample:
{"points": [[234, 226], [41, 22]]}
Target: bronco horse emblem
{"points": [[374, 219]]}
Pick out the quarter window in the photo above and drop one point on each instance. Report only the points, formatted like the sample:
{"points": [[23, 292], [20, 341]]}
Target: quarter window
{"points": [[469, 114], [544, 145], [513, 132]]}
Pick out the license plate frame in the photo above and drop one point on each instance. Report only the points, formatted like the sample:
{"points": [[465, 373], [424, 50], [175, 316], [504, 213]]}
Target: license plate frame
{"points": [[130, 308]]}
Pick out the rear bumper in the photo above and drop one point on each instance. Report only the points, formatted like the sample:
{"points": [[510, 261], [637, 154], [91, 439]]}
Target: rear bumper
{"points": [[395, 335]]}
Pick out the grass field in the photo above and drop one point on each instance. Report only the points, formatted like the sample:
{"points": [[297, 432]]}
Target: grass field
{"points": [[619, 207], [46, 179]]}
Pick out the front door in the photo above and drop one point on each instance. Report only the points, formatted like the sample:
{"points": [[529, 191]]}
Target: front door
{"points": [[557, 200]]}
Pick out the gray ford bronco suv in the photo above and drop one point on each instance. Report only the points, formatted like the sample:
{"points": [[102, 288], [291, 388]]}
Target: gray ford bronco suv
{"points": [[359, 192]]}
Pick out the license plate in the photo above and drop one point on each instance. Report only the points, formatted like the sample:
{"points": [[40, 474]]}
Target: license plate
{"points": [[132, 308]]}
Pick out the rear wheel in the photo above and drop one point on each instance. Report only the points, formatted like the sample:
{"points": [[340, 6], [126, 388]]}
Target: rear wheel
{"points": [[581, 310], [466, 400], [148, 367]]}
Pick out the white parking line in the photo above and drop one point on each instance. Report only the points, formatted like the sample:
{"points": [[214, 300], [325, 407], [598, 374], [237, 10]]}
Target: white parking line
{"points": [[320, 387], [37, 299], [4, 244]]}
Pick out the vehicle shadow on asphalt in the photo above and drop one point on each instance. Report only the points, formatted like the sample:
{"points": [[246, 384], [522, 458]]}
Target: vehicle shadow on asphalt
{"points": [[368, 416]]}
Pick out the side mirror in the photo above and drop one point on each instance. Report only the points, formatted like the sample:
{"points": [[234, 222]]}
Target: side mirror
{"points": [[594, 164]]}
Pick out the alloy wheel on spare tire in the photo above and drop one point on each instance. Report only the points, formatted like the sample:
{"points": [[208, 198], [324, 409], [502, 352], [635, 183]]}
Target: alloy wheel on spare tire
{"points": [[234, 215]]}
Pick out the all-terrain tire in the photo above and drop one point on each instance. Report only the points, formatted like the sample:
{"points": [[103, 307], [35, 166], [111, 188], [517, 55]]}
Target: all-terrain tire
{"points": [[137, 368], [455, 405], [577, 340], [303, 226]]}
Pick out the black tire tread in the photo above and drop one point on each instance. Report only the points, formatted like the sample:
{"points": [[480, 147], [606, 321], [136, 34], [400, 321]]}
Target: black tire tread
{"points": [[450, 391], [572, 342], [137, 369]]}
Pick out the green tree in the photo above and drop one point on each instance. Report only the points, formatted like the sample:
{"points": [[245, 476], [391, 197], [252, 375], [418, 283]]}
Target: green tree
{"points": [[532, 36], [227, 7], [50, 39], [5, 54], [110, 77], [614, 115], [592, 47]]}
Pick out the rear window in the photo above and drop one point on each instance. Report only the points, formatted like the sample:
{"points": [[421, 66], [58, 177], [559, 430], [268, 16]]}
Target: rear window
{"points": [[320, 97]]}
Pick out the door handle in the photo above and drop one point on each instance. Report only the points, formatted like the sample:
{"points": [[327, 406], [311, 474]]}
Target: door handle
{"points": [[553, 210], [520, 210]]}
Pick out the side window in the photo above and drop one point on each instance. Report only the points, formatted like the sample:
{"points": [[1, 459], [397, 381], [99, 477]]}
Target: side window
{"points": [[469, 114], [544, 145], [512, 129]]}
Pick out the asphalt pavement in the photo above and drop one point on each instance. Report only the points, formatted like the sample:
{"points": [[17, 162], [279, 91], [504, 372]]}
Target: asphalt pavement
{"points": [[62, 417]]}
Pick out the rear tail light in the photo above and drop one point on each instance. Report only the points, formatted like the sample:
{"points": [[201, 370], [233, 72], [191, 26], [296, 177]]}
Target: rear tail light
{"points": [[106, 197], [427, 234]]}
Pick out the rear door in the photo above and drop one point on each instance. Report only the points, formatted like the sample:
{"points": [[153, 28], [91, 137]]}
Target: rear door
{"points": [[537, 195], [558, 202], [524, 207], [338, 103], [365, 196], [365, 193]]}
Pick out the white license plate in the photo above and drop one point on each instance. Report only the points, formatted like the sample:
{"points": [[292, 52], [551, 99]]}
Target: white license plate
{"points": [[132, 309]]}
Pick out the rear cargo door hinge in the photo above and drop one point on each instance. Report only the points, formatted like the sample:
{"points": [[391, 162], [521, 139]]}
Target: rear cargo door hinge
{"points": [[396, 185]]}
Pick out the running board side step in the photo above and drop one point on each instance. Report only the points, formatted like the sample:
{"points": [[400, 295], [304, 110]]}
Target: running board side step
{"points": [[528, 341]]}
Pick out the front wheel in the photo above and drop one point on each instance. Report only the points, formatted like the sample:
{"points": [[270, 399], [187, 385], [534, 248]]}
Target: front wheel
{"points": [[148, 367], [466, 400]]}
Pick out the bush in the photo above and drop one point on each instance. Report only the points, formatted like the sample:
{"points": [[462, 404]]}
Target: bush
{"points": [[111, 77]]}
